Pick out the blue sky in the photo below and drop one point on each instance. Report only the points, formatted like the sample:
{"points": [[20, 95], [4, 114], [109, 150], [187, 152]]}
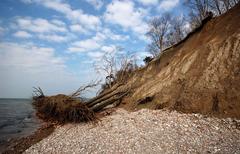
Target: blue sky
{"points": [[54, 43]]}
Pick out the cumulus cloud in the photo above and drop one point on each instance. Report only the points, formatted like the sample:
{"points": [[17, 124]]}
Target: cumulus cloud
{"points": [[96, 42], [148, 2], [96, 55], [22, 34], [168, 4], [109, 49], [114, 36], [87, 45], [84, 45], [28, 56], [125, 14], [39, 25], [58, 22], [78, 28], [54, 38], [97, 4], [24, 66], [75, 15]]}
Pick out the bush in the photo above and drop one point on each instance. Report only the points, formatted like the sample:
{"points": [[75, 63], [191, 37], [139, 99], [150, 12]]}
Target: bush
{"points": [[147, 59]]}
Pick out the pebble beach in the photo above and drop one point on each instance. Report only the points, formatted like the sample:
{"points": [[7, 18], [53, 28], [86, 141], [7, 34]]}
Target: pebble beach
{"points": [[145, 131]]}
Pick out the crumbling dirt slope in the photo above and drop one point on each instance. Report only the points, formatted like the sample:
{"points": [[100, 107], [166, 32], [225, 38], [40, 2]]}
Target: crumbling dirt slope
{"points": [[199, 75]]}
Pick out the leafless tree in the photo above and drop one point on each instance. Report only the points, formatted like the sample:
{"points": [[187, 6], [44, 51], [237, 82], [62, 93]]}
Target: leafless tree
{"points": [[177, 30], [216, 6], [116, 66], [199, 10], [107, 67], [127, 64], [153, 49], [158, 29]]}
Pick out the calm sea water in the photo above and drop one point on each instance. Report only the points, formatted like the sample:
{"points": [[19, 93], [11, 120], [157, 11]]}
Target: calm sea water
{"points": [[17, 119]]}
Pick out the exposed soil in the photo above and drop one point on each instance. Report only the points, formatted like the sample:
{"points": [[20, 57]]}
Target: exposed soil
{"points": [[199, 75]]}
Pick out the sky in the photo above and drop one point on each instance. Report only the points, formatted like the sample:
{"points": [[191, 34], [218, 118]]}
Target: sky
{"points": [[54, 44]]}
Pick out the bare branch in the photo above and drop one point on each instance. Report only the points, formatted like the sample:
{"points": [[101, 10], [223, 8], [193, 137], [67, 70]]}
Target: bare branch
{"points": [[37, 92], [80, 90]]}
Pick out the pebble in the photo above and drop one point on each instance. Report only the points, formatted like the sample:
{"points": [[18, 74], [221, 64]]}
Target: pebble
{"points": [[144, 131]]}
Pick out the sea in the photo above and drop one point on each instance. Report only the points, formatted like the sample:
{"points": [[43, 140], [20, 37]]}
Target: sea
{"points": [[17, 119]]}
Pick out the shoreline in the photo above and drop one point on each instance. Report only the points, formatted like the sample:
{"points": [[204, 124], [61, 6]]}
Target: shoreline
{"points": [[19, 145], [121, 118], [145, 130]]}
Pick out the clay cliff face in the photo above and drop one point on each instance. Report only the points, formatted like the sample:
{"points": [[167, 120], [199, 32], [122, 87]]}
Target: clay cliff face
{"points": [[200, 75]]}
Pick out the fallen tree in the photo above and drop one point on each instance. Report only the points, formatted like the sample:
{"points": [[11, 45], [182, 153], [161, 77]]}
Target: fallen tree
{"points": [[108, 101], [63, 108]]}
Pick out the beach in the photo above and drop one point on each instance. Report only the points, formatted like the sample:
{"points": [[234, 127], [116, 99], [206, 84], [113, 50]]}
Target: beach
{"points": [[145, 131]]}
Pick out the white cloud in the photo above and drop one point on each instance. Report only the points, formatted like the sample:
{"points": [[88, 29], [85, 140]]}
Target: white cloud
{"points": [[84, 45], [78, 28], [113, 36], [109, 49], [25, 66], [28, 56], [75, 49], [58, 22], [56, 5], [97, 4], [149, 2], [22, 34], [125, 14], [100, 37], [96, 42], [53, 37], [168, 4], [48, 30], [86, 20], [39, 25], [75, 15], [97, 55], [87, 45]]}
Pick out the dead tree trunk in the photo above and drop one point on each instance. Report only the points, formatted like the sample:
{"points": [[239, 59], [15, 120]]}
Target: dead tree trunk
{"points": [[114, 88], [107, 102], [106, 97]]}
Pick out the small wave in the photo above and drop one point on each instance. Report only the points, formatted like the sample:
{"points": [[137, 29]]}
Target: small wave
{"points": [[4, 125]]}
